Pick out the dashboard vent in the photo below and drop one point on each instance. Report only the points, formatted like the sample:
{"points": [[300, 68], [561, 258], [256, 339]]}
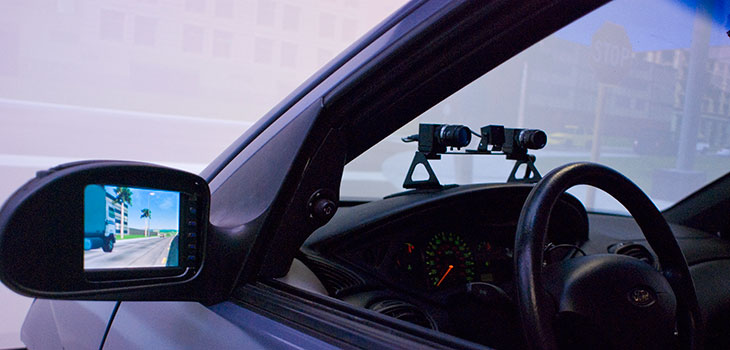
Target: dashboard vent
{"points": [[635, 250], [404, 311], [337, 279]]}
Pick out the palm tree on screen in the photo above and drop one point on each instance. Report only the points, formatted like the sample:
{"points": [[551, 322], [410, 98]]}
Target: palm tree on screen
{"points": [[124, 195], [146, 214]]}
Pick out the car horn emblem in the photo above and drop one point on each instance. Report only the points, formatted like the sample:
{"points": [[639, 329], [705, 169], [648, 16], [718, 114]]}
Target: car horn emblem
{"points": [[641, 297]]}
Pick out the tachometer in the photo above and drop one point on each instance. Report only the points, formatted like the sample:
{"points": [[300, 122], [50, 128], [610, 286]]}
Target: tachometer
{"points": [[449, 261]]}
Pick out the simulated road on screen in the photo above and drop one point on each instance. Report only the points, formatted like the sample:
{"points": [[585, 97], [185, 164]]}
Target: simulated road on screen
{"points": [[136, 252]]}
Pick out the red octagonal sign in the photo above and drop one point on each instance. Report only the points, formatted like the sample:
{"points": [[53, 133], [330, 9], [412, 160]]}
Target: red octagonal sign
{"points": [[611, 53]]}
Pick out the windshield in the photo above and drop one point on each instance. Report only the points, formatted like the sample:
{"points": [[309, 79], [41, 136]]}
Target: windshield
{"points": [[642, 87]]}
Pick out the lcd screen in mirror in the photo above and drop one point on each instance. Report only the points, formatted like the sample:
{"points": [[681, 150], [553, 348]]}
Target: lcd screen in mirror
{"points": [[129, 227]]}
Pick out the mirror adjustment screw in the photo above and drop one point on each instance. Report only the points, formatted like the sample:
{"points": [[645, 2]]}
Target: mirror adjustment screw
{"points": [[324, 208], [322, 205]]}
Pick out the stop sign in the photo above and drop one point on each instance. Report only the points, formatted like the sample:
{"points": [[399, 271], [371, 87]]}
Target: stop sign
{"points": [[611, 53]]}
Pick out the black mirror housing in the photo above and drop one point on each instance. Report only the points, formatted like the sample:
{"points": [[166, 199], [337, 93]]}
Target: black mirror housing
{"points": [[58, 231]]}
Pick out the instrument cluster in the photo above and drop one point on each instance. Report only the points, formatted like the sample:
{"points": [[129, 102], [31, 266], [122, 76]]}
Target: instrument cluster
{"points": [[445, 258], [444, 245]]}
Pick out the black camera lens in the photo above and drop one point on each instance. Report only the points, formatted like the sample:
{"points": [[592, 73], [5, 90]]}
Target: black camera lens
{"points": [[453, 135], [532, 139]]}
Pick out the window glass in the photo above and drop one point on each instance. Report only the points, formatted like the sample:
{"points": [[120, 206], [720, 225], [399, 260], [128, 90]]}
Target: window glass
{"points": [[640, 86]]}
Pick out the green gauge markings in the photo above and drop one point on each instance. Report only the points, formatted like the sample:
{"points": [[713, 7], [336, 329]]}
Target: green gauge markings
{"points": [[449, 260]]}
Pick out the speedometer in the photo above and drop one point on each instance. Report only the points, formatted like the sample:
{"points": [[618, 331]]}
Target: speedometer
{"points": [[449, 261]]}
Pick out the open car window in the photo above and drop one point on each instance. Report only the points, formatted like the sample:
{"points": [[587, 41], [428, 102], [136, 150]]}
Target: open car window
{"points": [[645, 93]]}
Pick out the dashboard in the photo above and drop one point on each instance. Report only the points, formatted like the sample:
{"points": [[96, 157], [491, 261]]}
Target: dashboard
{"points": [[431, 243], [422, 255], [443, 259], [443, 247]]}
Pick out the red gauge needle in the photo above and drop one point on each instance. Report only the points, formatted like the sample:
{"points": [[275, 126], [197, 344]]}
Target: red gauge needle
{"points": [[444, 276]]}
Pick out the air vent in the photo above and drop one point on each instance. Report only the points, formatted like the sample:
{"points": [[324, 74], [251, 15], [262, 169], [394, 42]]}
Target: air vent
{"points": [[405, 312], [634, 250], [337, 279]]}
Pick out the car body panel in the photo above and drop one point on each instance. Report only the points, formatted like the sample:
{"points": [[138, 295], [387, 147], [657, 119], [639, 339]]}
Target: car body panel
{"points": [[66, 324], [190, 325], [59, 324]]}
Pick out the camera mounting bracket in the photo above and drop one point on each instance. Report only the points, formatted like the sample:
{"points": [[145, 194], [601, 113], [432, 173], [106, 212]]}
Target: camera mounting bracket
{"points": [[434, 139], [531, 173], [431, 183]]}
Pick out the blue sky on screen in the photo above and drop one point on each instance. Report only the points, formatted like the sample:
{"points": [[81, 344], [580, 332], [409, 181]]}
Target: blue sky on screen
{"points": [[164, 205], [668, 27]]}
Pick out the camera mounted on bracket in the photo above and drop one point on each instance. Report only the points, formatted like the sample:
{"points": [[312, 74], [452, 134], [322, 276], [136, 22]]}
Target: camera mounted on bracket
{"points": [[434, 139]]}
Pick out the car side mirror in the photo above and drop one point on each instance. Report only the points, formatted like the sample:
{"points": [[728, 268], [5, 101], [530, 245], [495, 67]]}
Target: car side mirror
{"points": [[103, 226]]}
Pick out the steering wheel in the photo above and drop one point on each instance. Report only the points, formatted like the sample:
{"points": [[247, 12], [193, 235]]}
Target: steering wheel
{"points": [[602, 301]]}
